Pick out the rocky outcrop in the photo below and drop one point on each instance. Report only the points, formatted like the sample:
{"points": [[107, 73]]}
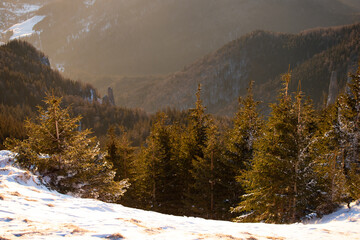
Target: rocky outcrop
{"points": [[109, 98], [44, 60]]}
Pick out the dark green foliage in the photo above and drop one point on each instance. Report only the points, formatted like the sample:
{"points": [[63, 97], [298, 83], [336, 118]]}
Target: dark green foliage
{"points": [[160, 157], [68, 159], [329, 166], [240, 142], [11, 122], [336, 148], [210, 192], [193, 150], [349, 124], [280, 183], [120, 153]]}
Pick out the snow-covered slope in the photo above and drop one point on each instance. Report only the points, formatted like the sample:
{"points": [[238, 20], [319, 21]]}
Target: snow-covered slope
{"points": [[12, 12], [24, 28], [30, 211]]}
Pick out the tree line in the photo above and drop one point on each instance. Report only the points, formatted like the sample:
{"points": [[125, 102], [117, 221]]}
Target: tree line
{"points": [[296, 164]]}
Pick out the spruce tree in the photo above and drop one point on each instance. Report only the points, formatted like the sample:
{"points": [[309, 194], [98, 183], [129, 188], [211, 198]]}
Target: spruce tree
{"points": [[66, 158], [161, 159], [349, 124], [208, 192], [328, 161], [246, 130], [194, 143], [280, 183], [120, 153]]}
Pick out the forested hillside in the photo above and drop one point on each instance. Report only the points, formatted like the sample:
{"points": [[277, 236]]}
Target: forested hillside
{"points": [[26, 78], [262, 56]]}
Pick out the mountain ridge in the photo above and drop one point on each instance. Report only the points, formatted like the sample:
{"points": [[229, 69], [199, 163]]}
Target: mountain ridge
{"points": [[159, 37], [262, 56]]}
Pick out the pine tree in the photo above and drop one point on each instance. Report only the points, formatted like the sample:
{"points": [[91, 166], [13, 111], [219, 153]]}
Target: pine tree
{"points": [[161, 160], [329, 162], [67, 158], [120, 153], [194, 144], [240, 143], [280, 184], [207, 194], [349, 124]]}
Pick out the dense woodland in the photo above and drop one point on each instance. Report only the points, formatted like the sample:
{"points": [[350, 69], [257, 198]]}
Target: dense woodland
{"points": [[294, 164]]}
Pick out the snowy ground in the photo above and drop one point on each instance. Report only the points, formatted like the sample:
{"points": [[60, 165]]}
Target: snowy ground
{"points": [[30, 211], [25, 28], [19, 8]]}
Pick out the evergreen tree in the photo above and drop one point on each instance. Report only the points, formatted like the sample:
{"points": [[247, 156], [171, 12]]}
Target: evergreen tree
{"points": [[194, 143], [329, 162], [205, 172], [120, 153], [68, 159], [349, 124], [161, 158], [280, 184], [240, 143]]}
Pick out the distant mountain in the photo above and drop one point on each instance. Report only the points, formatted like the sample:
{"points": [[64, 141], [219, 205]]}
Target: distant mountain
{"points": [[140, 37], [262, 56]]}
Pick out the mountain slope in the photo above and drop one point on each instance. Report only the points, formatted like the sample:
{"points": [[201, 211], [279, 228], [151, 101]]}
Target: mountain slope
{"points": [[26, 76], [28, 210], [260, 56], [25, 79], [150, 37]]}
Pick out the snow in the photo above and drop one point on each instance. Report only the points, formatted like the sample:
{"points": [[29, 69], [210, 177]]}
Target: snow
{"points": [[89, 3], [28, 210], [60, 67], [26, 8], [25, 28], [20, 9]]}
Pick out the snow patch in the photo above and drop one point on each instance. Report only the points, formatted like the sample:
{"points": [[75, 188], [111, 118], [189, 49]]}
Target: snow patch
{"points": [[28, 210], [26, 8], [107, 26], [60, 67], [89, 3], [25, 28]]}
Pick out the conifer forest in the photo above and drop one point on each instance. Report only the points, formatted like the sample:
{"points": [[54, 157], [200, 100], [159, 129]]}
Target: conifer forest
{"points": [[282, 168], [253, 126]]}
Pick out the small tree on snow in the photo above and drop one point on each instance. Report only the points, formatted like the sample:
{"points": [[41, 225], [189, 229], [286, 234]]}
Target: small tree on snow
{"points": [[67, 158]]}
